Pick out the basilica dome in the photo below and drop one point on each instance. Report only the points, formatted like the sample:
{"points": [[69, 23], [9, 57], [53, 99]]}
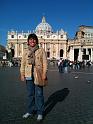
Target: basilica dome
{"points": [[43, 27]]}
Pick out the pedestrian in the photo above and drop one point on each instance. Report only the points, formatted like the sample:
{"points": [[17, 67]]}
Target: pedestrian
{"points": [[33, 70], [60, 65]]}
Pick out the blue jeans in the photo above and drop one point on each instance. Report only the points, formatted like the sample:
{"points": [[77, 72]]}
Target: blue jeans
{"points": [[35, 97]]}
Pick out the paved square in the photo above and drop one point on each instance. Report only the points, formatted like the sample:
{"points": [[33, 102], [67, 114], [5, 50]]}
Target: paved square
{"points": [[68, 97]]}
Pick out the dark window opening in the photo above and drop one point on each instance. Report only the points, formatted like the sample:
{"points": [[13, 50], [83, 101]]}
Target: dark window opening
{"points": [[76, 52], [61, 53]]}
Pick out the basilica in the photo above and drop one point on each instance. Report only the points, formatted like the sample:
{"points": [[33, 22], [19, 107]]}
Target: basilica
{"points": [[56, 44]]}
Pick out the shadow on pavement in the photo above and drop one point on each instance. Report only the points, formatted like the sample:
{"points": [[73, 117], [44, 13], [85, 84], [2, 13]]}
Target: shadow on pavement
{"points": [[56, 97]]}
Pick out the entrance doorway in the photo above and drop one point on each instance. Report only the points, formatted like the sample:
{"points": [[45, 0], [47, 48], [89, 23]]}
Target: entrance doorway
{"points": [[76, 53]]}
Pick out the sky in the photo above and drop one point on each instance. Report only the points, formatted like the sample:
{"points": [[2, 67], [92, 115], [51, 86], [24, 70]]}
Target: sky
{"points": [[24, 15]]}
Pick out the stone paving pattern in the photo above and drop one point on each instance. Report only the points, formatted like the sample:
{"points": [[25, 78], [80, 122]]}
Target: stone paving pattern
{"points": [[68, 100]]}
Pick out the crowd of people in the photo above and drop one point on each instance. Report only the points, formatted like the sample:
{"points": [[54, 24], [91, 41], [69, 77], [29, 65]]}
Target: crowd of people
{"points": [[64, 65], [7, 63]]}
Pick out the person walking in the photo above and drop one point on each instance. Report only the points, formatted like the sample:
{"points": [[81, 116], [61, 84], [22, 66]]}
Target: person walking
{"points": [[33, 70]]}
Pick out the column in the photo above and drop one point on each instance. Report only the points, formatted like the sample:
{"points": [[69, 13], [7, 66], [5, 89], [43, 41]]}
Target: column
{"points": [[50, 50], [45, 46], [58, 56], [87, 53], [16, 49], [22, 48], [72, 54], [91, 54], [80, 54]]}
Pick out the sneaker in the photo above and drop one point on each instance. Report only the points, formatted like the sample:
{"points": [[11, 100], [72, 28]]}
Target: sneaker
{"points": [[39, 117], [26, 115]]}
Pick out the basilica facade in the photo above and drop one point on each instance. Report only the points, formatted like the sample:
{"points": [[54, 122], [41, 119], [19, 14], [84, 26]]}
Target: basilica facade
{"points": [[56, 44]]}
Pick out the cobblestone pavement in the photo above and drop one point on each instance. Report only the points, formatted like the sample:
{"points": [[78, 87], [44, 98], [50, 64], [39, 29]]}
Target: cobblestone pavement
{"points": [[68, 97]]}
